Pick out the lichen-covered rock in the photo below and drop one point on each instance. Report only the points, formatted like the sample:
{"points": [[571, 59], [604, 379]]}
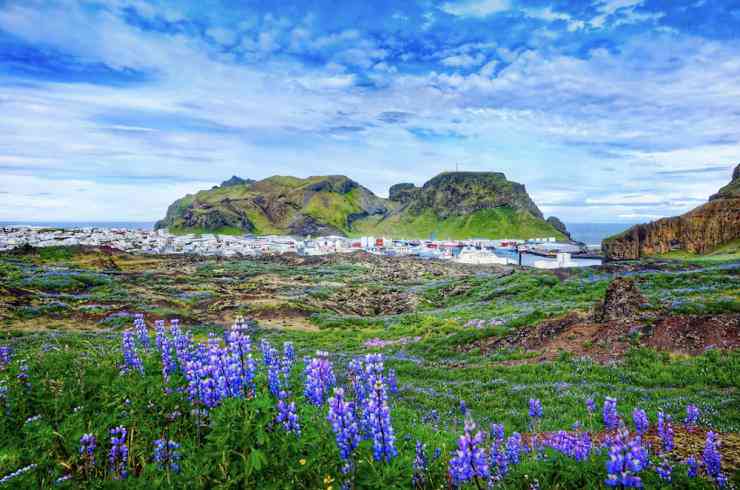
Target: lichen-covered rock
{"points": [[698, 231], [622, 301]]}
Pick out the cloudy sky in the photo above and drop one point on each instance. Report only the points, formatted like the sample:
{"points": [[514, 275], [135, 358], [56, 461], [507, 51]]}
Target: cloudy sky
{"points": [[607, 110]]}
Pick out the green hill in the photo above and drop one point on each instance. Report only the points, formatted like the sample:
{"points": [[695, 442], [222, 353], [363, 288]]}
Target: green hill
{"points": [[452, 205]]}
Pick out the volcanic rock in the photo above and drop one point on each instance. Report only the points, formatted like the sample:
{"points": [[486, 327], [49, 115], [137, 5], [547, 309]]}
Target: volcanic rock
{"points": [[698, 231], [622, 301]]}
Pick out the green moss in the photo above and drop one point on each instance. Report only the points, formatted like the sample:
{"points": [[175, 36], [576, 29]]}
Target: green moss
{"points": [[503, 222], [725, 252], [333, 208]]}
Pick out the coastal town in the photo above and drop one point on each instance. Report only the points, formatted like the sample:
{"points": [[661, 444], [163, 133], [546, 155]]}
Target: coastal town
{"points": [[544, 252]]}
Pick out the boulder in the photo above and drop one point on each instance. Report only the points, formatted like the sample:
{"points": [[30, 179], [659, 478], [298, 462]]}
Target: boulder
{"points": [[622, 301]]}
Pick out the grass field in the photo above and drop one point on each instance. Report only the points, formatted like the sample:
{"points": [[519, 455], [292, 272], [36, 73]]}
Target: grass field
{"points": [[64, 312]]}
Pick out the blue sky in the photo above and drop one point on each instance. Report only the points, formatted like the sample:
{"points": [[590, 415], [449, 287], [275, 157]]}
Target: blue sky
{"points": [[607, 110]]}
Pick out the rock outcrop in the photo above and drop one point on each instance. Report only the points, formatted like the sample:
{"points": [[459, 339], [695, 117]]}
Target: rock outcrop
{"points": [[559, 225], [622, 301], [403, 193], [699, 231]]}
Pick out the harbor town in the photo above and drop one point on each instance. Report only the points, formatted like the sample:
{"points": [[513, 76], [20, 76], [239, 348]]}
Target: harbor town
{"points": [[544, 252]]}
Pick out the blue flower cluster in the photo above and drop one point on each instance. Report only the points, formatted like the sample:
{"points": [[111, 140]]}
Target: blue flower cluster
{"points": [[470, 461], [692, 416], [131, 360], [88, 443], [626, 459], [665, 432], [215, 373], [167, 455], [141, 331], [535, 408], [343, 422], [609, 413], [287, 414], [6, 354], [640, 418], [17, 473], [319, 378], [118, 455], [713, 460], [577, 446], [376, 412], [421, 467]]}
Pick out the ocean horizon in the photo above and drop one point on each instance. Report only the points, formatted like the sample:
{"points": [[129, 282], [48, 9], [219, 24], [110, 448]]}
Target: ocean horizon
{"points": [[588, 233]]}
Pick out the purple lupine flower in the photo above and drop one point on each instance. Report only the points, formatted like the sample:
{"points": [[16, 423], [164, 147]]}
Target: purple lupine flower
{"points": [[287, 415], [665, 431], [692, 416], [497, 432], [274, 381], [344, 424], [169, 366], [23, 376], [356, 375], [469, 461], [535, 408], [514, 448], [376, 413], [626, 460], [6, 354], [664, 470], [591, 406], [421, 467], [712, 458], [576, 446], [392, 382], [17, 473], [693, 467], [498, 460], [183, 343], [118, 456], [166, 455], [88, 443], [611, 418], [131, 360], [463, 408], [242, 368], [640, 418], [141, 331], [319, 378], [160, 334], [267, 352], [288, 358]]}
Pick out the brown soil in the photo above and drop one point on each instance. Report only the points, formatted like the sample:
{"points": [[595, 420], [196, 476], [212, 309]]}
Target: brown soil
{"points": [[605, 342]]}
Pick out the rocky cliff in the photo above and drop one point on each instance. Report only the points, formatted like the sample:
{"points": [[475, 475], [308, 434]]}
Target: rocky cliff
{"points": [[451, 205], [699, 231]]}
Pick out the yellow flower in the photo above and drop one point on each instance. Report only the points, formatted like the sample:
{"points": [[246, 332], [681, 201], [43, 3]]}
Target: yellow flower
{"points": [[302, 461]]}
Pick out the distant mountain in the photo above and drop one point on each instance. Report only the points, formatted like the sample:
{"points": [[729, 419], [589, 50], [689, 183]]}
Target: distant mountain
{"points": [[451, 205], [700, 231]]}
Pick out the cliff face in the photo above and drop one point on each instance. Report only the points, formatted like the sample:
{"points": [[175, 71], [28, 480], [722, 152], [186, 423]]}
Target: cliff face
{"points": [[699, 231], [455, 193], [454, 205]]}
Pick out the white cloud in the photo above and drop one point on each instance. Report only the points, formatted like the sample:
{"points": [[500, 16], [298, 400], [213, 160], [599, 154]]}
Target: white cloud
{"points": [[476, 8], [549, 15], [463, 60], [221, 35]]}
